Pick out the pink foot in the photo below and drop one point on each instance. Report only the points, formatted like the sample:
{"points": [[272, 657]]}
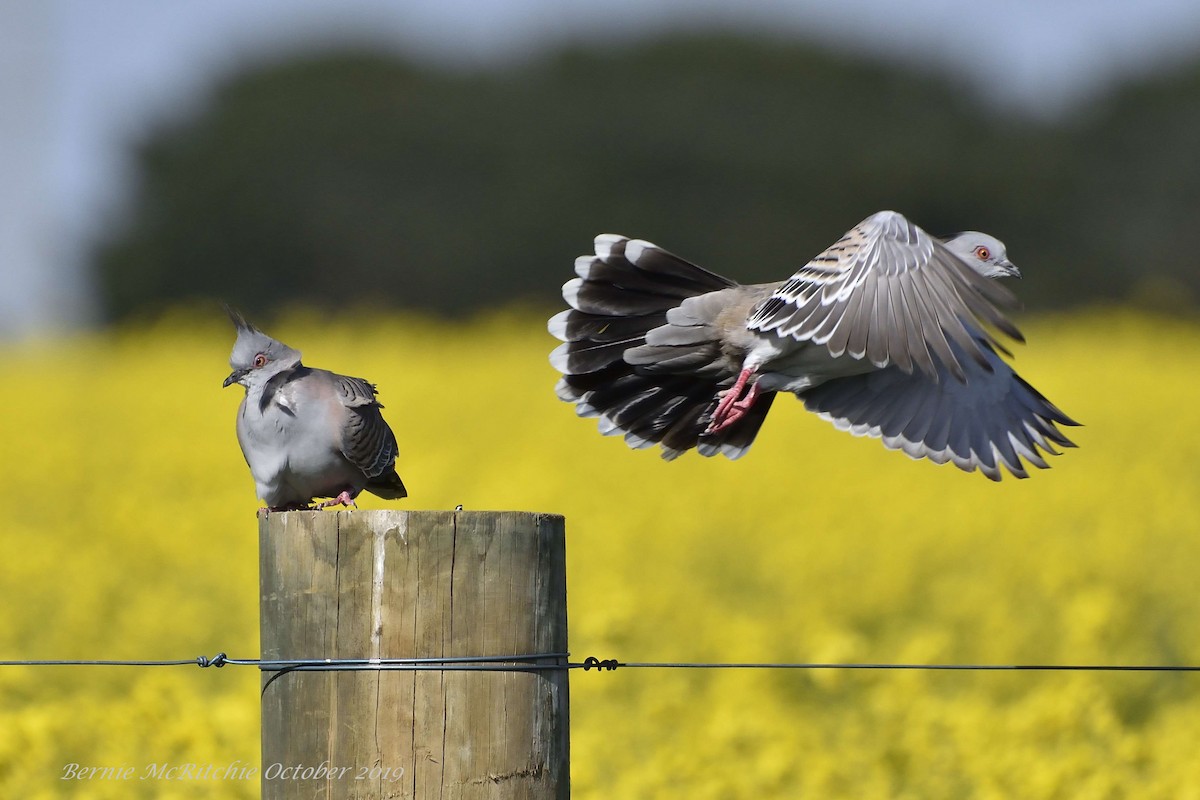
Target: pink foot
{"points": [[733, 405], [729, 397], [343, 499]]}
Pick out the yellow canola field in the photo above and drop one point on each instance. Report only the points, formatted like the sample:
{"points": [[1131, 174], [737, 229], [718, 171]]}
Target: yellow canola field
{"points": [[130, 533]]}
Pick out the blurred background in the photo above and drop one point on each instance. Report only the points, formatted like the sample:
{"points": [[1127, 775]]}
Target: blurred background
{"points": [[399, 190], [457, 155]]}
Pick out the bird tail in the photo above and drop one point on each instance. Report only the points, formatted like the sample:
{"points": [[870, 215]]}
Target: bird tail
{"points": [[388, 486], [641, 351]]}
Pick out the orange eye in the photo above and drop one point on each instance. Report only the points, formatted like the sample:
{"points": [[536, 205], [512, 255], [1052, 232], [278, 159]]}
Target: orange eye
{"points": [[982, 253], [260, 360]]}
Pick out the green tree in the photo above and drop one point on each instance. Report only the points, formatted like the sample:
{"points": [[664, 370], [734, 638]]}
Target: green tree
{"points": [[361, 178]]}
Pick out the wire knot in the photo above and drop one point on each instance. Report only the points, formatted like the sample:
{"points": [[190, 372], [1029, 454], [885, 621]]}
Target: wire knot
{"points": [[217, 661], [591, 662]]}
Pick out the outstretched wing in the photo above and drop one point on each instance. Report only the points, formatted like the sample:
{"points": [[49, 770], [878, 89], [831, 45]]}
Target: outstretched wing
{"points": [[889, 292], [367, 441], [993, 419]]}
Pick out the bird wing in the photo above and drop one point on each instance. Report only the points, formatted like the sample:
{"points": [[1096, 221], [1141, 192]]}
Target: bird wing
{"points": [[889, 292], [992, 419], [367, 441]]}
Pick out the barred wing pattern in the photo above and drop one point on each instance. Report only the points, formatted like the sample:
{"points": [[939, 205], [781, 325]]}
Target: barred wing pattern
{"points": [[889, 292], [367, 440]]}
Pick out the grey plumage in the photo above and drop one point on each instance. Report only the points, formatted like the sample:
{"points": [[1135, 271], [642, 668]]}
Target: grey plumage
{"points": [[889, 333], [308, 433]]}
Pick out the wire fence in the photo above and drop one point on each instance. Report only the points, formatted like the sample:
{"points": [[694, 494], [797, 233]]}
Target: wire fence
{"points": [[537, 662]]}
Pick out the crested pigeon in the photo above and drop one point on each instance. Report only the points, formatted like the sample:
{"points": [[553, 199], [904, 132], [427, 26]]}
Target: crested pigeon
{"points": [[889, 333], [308, 433]]}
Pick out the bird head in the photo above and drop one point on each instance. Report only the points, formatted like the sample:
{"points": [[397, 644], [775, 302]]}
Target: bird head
{"points": [[256, 357], [985, 254]]}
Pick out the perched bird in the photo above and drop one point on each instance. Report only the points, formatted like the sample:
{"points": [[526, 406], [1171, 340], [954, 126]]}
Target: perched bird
{"points": [[890, 333], [308, 433]]}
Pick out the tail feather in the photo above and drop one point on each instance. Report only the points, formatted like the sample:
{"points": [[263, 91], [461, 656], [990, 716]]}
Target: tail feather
{"points": [[649, 258], [662, 392], [684, 433], [574, 326], [573, 358], [388, 486], [607, 299], [651, 407], [673, 358], [741, 435], [630, 278], [619, 388]]}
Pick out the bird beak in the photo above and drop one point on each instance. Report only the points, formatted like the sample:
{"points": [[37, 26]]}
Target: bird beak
{"points": [[1010, 268], [234, 377]]}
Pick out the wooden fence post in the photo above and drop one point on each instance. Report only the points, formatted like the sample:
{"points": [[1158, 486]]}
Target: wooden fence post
{"points": [[413, 584]]}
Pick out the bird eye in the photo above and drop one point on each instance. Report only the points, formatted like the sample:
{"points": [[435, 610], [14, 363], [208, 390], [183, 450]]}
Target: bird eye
{"points": [[260, 360], [982, 253]]}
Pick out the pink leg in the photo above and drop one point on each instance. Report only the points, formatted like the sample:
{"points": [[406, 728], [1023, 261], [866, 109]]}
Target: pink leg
{"points": [[733, 406], [730, 396], [343, 499]]}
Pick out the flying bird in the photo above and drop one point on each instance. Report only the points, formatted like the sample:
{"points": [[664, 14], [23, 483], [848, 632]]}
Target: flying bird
{"points": [[308, 433], [890, 333]]}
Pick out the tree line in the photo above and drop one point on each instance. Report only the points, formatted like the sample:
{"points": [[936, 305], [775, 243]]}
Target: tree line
{"points": [[363, 179]]}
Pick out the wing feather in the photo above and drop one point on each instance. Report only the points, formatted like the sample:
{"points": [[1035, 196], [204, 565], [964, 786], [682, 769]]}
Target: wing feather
{"points": [[367, 441], [990, 422], [890, 292]]}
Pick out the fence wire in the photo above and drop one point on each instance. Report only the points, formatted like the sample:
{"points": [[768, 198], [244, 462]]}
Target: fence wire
{"points": [[536, 662]]}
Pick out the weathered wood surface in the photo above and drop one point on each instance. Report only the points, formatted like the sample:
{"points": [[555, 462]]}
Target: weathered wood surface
{"points": [[413, 584]]}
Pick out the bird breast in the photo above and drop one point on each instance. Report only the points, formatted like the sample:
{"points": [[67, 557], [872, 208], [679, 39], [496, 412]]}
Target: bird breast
{"points": [[291, 449]]}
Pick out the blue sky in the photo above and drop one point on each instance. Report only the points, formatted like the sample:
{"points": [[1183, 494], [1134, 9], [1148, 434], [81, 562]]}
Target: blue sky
{"points": [[80, 79]]}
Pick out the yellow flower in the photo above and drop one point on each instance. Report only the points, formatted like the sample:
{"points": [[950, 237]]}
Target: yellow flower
{"points": [[130, 533]]}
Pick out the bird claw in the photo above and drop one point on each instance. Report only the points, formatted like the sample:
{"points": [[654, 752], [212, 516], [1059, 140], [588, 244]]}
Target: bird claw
{"points": [[733, 405], [734, 413], [343, 499]]}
